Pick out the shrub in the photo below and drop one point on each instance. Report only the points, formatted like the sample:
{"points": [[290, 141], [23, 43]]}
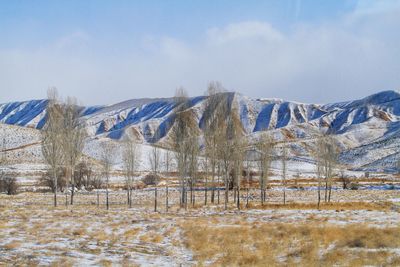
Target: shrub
{"points": [[354, 186], [151, 179], [47, 180], [96, 182], [9, 185]]}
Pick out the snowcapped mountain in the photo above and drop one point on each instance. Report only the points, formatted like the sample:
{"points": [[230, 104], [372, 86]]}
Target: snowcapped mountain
{"points": [[367, 130]]}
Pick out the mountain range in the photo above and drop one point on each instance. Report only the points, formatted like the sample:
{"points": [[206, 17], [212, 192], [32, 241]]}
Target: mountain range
{"points": [[367, 130]]}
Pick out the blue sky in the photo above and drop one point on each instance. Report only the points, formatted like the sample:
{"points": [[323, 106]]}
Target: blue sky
{"points": [[108, 51]]}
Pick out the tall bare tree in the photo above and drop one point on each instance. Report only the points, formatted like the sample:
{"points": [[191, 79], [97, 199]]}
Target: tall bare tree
{"points": [[319, 169], [225, 156], [52, 137], [130, 160], [108, 154], [155, 159], [193, 160], [327, 153], [238, 158], [73, 137], [167, 160], [264, 146], [213, 117], [183, 130], [227, 149]]}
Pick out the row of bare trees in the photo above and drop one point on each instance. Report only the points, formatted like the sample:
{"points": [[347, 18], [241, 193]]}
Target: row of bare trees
{"points": [[226, 148], [213, 159]]}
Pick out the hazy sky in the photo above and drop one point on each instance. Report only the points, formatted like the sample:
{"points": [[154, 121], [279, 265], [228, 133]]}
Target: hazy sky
{"points": [[108, 51]]}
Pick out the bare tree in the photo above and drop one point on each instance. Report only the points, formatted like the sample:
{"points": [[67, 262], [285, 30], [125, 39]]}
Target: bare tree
{"points": [[83, 174], [107, 159], [319, 170], [248, 163], [182, 131], [327, 154], [284, 169], [238, 158], [167, 160], [264, 146], [225, 153], [213, 118], [194, 151], [52, 133], [227, 148], [48, 180], [130, 159], [155, 159], [72, 139]]}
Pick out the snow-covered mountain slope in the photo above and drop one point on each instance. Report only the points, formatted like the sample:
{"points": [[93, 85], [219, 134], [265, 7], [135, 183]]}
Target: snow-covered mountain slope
{"points": [[367, 129]]}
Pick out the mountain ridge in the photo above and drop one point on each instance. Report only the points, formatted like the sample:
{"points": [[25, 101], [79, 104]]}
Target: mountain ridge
{"points": [[358, 125]]}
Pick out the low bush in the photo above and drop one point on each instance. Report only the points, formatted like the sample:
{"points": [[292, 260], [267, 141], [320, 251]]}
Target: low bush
{"points": [[9, 185], [151, 179]]}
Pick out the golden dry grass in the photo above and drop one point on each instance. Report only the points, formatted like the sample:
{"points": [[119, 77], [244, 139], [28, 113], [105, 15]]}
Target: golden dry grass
{"points": [[151, 237], [12, 245], [272, 244], [226, 238], [131, 233], [359, 205]]}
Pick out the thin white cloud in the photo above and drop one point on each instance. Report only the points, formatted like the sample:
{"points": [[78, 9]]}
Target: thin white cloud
{"points": [[251, 30]]}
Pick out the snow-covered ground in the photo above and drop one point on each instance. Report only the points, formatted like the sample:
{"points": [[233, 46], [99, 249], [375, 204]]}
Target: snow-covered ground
{"points": [[33, 232]]}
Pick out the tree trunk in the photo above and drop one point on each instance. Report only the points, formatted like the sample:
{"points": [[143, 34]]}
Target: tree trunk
{"points": [[226, 191], [284, 192], [186, 199], [182, 198], [127, 197], [72, 185], [247, 197], [191, 192], [194, 198], [261, 196], [205, 191], [72, 194], [66, 194], [55, 188], [319, 192], [330, 191], [166, 198], [238, 197], [107, 203], [130, 197], [213, 185], [326, 189], [155, 199]]}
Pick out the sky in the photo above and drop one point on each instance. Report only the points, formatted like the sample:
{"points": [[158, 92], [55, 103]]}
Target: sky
{"points": [[103, 52]]}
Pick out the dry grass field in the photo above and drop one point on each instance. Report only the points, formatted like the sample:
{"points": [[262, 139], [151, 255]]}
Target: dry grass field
{"points": [[359, 228]]}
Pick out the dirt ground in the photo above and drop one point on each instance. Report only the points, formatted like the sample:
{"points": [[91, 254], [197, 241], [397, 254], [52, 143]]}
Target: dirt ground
{"points": [[359, 227]]}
